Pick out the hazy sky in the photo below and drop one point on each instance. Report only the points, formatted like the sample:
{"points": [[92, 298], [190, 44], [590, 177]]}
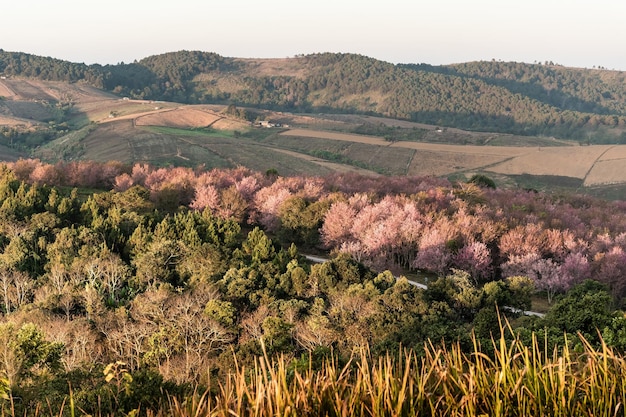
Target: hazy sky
{"points": [[572, 33]]}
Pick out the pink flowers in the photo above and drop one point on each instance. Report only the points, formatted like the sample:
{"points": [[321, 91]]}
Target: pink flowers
{"points": [[393, 222]]}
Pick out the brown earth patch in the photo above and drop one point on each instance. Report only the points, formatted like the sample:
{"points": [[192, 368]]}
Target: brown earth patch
{"points": [[615, 152], [444, 163], [181, 118], [29, 110], [14, 121], [573, 162], [110, 142], [5, 91], [230, 124], [342, 168], [370, 140], [31, 90], [606, 172]]}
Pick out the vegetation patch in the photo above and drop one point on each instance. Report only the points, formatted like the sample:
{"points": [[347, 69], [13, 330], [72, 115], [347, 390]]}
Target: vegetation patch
{"points": [[547, 182], [391, 133], [198, 132]]}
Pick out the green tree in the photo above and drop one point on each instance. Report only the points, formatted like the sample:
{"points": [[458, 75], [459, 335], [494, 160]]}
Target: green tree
{"points": [[586, 308], [25, 352]]}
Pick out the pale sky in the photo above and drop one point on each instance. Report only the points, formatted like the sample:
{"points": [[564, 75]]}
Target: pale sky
{"points": [[573, 33]]}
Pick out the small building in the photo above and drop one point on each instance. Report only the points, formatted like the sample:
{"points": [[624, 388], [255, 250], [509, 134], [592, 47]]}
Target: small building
{"points": [[268, 124], [265, 123]]}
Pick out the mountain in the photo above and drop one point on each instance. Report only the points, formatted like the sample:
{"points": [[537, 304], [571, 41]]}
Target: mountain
{"points": [[587, 105]]}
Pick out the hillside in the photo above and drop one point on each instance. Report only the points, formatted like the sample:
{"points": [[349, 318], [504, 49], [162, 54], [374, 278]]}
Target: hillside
{"points": [[586, 105]]}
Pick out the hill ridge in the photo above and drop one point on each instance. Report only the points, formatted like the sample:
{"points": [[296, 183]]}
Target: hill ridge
{"points": [[505, 97]]}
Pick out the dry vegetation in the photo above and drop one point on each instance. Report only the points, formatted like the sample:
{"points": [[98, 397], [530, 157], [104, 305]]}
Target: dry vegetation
{"points": [[277, 66], [596, 164], [5, 90], [180, 117], [21, 89], [333, 166], [13, 121]]}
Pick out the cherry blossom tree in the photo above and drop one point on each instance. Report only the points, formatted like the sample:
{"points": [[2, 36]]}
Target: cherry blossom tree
{"points": [[475, 258]]}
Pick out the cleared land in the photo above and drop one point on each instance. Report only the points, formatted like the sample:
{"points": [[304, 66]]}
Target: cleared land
{"points": [[424, 158], [13, 121], [331, 165], [121, 140], [22, 89], [369, 140], [567, 162], [595, 165], [180, 117], [5, 90]]}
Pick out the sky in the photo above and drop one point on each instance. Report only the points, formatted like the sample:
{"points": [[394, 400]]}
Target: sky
{"points": [[574, 33]]}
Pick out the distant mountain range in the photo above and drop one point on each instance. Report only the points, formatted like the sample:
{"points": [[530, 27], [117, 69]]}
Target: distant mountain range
{"points": [[588, 105]]}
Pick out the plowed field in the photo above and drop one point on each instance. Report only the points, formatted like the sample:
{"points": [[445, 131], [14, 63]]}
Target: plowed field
{"points": [[595, 165]]}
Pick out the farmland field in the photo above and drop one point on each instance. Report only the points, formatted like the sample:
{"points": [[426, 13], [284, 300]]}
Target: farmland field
{"points": [[5, 91], [122, 141], [595, 165], [22, 89]]}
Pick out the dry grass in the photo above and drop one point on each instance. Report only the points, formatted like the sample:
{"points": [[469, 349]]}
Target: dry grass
{"points": [[180, 118], [598, 164], [518, 380], [426, 163], [5, 90], [572, 161], [336, 167], [607, 172], [28, 90], [609, 169], [15, 122], [306, 133], [290, 67], [109, 143], [614, 152]]}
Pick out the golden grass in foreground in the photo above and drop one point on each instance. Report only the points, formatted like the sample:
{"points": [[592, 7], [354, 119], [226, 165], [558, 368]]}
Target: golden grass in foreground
{"points": [[518, 381]]}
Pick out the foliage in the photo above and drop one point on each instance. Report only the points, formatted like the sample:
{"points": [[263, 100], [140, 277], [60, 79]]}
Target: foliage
{"points": [[482, 181], [585, 309]]}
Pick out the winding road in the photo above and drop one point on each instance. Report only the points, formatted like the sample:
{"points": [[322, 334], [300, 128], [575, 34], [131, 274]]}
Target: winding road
{"points": [[319, 260]]}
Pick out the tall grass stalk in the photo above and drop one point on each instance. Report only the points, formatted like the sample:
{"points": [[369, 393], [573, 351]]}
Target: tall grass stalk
{"points": [[516, 380]]}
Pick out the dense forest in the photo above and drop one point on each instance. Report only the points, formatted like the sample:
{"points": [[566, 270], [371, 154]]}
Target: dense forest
{"points": [[127, 287], [528, 99]]}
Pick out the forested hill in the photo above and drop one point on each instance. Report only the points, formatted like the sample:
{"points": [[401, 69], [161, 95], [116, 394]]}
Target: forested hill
{"points": [[583, 104]]}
